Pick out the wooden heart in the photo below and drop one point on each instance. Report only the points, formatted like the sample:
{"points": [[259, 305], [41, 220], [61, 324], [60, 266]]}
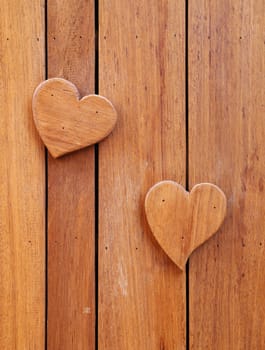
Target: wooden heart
{"points": [[67, 123], [181, 221]]}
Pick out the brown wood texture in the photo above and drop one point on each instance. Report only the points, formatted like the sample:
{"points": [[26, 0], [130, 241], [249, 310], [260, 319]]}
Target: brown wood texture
{"points": [[226, 137], [71, 275], [141, 70], [65, 121], [22, 174], [181, 221]]}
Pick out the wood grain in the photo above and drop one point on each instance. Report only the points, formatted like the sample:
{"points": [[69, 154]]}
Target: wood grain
{"points": [[22, 204], [66, 122], [141, 70], [181, 221], [227, 128], [71, 275]]}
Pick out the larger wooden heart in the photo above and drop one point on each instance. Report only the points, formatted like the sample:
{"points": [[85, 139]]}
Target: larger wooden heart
{"points": [[67, 123], [181, 221]]}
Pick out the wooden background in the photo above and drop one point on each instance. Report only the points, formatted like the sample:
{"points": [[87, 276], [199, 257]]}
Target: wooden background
{"points": [[79, 268]]}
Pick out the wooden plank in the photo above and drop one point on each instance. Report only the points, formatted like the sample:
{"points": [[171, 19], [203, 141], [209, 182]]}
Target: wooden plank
{"points": [[71, 275], [227, 129], [141, 70], [22, 170]]}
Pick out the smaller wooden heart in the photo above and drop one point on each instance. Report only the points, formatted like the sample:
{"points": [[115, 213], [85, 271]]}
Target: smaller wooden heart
{"points": [[181, 221], [67, 123]]}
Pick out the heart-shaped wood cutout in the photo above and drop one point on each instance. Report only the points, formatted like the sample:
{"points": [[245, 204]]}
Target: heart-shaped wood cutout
{"points": [[181, 221], [67, 123]]}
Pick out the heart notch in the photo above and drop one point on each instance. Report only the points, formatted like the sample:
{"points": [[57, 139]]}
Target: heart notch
{"points": [[67, 123], [181, 221]]}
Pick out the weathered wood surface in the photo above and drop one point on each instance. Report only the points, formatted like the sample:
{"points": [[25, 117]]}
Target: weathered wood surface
{"points": [[181, 221], [22, 174], [71, 273], [141, 70], [226, 137]]}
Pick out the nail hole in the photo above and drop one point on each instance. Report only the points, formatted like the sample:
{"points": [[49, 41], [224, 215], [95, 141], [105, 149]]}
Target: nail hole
{"points": [[38, 39], [163, 200], [182, 237], [54, 38], [75, 237], [106, 248], [51, 94]]}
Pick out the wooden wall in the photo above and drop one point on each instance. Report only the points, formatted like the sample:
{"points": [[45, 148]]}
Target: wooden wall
{"points": [[79, 268]]}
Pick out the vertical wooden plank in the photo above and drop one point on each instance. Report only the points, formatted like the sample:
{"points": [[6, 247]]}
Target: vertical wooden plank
{"points": [[71, 275], [22, 205], [227, 147], [141, 69]]}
